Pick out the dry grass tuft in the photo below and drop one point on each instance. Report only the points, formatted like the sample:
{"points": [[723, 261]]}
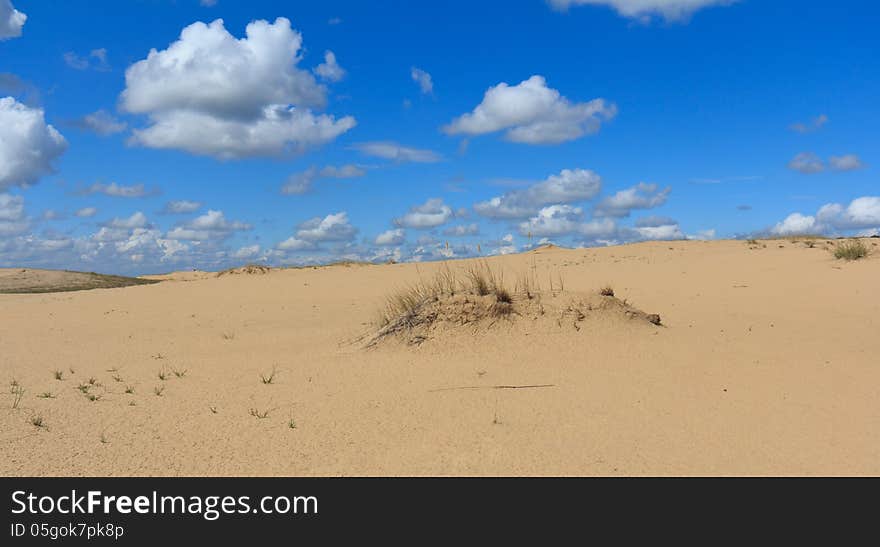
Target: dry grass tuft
{"points": [[852, 249], [606, 291]]}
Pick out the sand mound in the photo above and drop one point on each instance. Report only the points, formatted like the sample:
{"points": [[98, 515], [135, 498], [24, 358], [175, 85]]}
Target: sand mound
{"points": [[27, 280], [479, 301], [249, 269]]}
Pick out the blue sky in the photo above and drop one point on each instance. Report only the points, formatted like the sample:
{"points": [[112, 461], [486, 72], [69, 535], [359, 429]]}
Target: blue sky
{"points": [[592, 122]]}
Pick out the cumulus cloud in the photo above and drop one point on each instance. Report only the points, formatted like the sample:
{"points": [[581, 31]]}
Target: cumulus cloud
{"points": [[212, 225], [430, 214], [182, 206], [117, 190], [813, 125], [86, 212], [333, 227], [532, 113], [554, 220], [848, 162], [245, 253], [211, 94], [569, 186], [862, 213], [137, 220], [426, 83], [330, 70], [391, 150], [28, 146], [391, 237], [11, 20], [462, 230], [807, 163], [301, 183], [100, 122], [640, 196], [645, 10]]}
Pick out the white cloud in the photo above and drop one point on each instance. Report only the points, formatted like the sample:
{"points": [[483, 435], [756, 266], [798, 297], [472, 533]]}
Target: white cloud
{"points": [[644, 10], [569, 186], [245, 253], [182, 206], [640, 196], [212, 94], [333, 227], [101, 122], [301, 183], [861, 213], [848, 162], [117, 190], [28, 146], [807, 163], [391, 237], [12, 217], [294, 244], [532, 113], [86, 212], [795, 223], [137, 220], [212, 225], [393, 151], [462, 230], [11, 20], [330, 70], [95, 60], [813, 125], [554, 220], [426, 83], [430, 214]]}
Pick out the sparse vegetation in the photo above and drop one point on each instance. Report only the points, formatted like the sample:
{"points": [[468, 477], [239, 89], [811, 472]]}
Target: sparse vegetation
{"points": [[180, 373], [37, 421], [117, 378], [291, 424], [158, 391], [58, 374], [17, 391], [267, 379], [228, 335], [162, 375], [261, 414], [46, 395], [606, 291], [129, 390], [852, 249], [94, 397]]}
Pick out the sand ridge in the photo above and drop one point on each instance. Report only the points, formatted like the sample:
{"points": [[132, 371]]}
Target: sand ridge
{"points": [[765, 363]]}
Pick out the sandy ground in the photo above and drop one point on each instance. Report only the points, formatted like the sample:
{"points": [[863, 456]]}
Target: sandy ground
{"points": [[766, 363]]}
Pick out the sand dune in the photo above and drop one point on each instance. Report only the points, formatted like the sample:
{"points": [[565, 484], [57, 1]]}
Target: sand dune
{"points": [[766, 362]]}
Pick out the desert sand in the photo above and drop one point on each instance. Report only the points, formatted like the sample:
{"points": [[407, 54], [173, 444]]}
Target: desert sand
{"points": [[767, 362]]}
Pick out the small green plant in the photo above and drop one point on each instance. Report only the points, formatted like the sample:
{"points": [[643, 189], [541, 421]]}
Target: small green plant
{"points": [[269, 378], [93, 397], [93, 381], [852, 249], [46, 395], [83, 387], [158, 390], [58, 374], [37, 420], [129, 390], [291, 424]]}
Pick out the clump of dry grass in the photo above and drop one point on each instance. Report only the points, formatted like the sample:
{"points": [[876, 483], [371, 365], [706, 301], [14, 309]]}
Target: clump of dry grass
{"points": [[37, 421], [17, 391], [268, 379], [58, 374], [852, 249], [607, 290]]}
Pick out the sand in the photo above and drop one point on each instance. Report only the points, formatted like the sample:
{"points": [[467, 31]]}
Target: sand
{"points": [[766, 363]]}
